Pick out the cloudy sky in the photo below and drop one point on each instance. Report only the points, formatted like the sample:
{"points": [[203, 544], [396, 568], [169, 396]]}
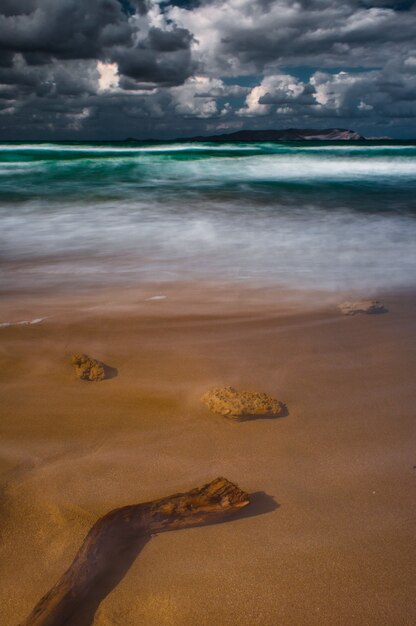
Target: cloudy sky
{"points": [[111, 69]]}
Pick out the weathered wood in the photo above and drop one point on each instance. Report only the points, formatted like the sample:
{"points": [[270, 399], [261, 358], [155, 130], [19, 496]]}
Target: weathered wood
{"points": [[114, 541]]}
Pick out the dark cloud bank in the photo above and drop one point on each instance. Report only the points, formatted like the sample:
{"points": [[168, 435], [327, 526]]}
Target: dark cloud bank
{"points": [[78, 69]]}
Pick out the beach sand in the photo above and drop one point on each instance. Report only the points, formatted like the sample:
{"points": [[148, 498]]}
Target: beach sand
{"points": [[329, 537]]}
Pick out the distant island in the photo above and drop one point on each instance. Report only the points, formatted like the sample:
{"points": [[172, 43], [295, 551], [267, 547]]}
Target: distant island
{"points": [[288, 134]]}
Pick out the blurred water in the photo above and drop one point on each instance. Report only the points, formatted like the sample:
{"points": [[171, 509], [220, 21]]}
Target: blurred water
{"points": [[327, 216]]}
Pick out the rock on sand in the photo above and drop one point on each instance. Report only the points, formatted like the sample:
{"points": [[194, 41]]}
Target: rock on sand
{"points": [[362, 306], [235, 404], [87, 368]]}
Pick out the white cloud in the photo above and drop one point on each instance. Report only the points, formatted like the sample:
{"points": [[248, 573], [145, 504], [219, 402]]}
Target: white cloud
{"points": [[363, 106], [252, 105], [198, 96], [384, 93], [278, 89], [333, 90], [109, 78]]}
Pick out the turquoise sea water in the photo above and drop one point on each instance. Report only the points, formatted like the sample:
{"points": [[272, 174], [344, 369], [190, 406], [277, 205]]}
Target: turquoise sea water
{"points": [[309, 215]]}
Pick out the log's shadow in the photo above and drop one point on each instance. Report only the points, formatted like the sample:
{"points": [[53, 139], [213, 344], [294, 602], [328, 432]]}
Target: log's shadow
{"points": [[109, 372], [380, 311], [260, 504]]}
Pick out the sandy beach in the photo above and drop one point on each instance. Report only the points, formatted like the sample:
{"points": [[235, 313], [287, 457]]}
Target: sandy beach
{"points": [[329, 536], [207, 313]]}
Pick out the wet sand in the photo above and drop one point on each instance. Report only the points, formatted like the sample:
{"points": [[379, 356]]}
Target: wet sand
{"points": [[329, 537]]}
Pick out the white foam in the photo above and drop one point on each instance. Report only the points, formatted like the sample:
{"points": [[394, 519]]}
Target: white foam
{"points": [[21, 168], [162, 148], [37, 320], [228, 240], [292, 167], [156, 298], [359, 148]]}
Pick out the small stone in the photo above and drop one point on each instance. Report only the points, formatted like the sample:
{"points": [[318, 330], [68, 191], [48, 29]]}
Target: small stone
{"points": [[235, 404], [87, 368], [362, 306]]}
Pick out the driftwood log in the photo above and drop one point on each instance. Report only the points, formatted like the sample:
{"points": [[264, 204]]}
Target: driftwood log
{"points": [[114, 541]]}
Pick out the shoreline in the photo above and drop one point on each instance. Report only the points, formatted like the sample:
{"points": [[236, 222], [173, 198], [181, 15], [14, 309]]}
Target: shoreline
{"points": [[187, 297], [340, 465]]}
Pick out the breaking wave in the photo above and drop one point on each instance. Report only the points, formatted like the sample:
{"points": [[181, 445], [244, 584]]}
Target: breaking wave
{"points": [[315, 215]]}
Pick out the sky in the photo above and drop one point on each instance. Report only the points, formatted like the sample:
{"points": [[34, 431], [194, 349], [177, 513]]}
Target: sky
{"points": [[113, 69]]}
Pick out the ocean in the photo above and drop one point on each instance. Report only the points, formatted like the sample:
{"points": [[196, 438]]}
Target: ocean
{"points": [[310, 215]]}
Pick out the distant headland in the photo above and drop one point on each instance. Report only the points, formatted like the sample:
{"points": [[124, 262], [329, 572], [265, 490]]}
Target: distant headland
{"points": [[288, 134]]}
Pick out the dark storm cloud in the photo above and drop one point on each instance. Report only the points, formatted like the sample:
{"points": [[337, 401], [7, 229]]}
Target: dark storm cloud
{"points": [[94, 68], [57, 79], [185, 4], [163, 57], [67, 29], [23, 7], [169, 41], [141, 6], [248, 36], [142, 64], [44, 31], [6, 58], [400, 5]]}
